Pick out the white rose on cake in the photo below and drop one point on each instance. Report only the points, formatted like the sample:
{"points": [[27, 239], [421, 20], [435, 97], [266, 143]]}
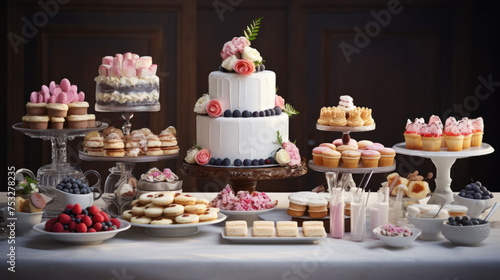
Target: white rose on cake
{"points": [[229, 62], [282, 157], [201, 105], [251, 54], [191, 155]]}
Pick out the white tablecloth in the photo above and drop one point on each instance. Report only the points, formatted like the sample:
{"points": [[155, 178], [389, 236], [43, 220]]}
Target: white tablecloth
{"points": [[134, 255]]}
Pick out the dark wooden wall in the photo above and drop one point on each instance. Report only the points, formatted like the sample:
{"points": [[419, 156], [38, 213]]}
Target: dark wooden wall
{"points": [[425, 60]]}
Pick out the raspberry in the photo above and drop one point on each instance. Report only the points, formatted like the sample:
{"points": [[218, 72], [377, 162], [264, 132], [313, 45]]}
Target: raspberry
{"points": [[64, 219], [94, 210], [72, 226], [87, 221], [69, 206], [116, 222], [77, 209], [105, 216], [50, 223], [81, 227], [110, 228], [79, 216], [97, 219], [58, 227], [97, 227], [92, 230]]}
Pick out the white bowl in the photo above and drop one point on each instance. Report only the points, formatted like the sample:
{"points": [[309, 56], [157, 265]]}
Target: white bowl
{"points": [[475, 206], [64, 198], [82, 237], [24, 221], [431, 228], [398, 242], [466, 235]]}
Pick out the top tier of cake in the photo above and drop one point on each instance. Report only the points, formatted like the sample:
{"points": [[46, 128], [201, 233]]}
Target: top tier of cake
{"points": [[256, 92]]}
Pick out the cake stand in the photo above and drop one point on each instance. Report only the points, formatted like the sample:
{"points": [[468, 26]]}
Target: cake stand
{"points": [[347, 172], [245, 178], [48, 176], [444, 160], [122, 171]]}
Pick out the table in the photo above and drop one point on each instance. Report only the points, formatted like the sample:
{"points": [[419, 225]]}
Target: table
{"points": [[134, 255]]}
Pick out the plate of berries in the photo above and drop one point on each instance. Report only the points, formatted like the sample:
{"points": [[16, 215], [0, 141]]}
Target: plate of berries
{"points": [[82, 226]]}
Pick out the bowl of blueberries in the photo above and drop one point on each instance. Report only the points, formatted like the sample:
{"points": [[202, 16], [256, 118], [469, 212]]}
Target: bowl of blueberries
{"points": [[77, 191], [476, 197], [465, 231]]}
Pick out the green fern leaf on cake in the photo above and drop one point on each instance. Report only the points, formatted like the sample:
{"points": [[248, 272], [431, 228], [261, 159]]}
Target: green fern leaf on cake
{"points": [[196, 146], [289, 110], [252, 30], [279, 138]]}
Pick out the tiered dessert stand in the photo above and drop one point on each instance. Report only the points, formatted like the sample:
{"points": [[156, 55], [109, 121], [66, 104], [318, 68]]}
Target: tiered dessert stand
{"points": [[124, 165], [347, 172], [444, 160], [48, 176]]}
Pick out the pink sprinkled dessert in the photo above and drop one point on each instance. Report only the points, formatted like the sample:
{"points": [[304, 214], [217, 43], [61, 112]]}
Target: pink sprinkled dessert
{"points": [[431, 136], [452, 135], [412, 134], [477, 132], [242, 201], [465, 126], [395, 231]]}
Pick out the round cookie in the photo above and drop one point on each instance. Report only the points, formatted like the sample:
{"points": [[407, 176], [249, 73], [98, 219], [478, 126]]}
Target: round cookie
{"points": [[162, 199], [173, 210], [185, 199], [202, 201], [138, 210], [135, 202], [208, 216], [141, 220], [153, 211], [146, 198], [162, 221], [187, 219], [195, 209], [213, 209], [127, 215]]}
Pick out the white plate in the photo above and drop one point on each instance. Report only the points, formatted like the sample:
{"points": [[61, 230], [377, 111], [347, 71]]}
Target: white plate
{"points": [[271, 240], [247, 213], [177, 230], [244, 167], [82, 238]]}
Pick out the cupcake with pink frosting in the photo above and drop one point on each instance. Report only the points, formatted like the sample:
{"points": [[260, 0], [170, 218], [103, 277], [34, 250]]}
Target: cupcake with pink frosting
{"points": [[452, 135], [431, 135], [477, 132], [436, 120], [412, 134], [465, 126], [370, 158]]}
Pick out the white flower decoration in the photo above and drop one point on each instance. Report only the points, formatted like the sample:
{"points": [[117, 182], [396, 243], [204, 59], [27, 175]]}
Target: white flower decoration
{"points": [[201, 105]]}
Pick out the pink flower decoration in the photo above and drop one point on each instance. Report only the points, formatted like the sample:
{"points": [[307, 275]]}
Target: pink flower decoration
{"points": [[214, 108], [203, 157], [244, 67], [167, 172], [293, 152], [234, 47], [279, 101], [156, 174]]}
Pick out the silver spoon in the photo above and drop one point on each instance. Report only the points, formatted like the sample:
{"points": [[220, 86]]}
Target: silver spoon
{"points": [[493, 209], [439, 210]]}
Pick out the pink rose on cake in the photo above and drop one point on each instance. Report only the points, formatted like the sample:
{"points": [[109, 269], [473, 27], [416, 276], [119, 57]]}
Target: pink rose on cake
{"points": [[293, 153], [244, 67], [214, 108], [203, 157], [234, 47], [279, 102]]}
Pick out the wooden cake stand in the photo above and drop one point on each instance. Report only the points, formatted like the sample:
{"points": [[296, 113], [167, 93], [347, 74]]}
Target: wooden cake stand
{"points": [[245, 178]]}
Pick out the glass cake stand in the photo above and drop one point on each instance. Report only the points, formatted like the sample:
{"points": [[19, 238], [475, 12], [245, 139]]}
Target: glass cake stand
{"points": [[245, 178], [48, 176], [347, 172], [444, 160]]}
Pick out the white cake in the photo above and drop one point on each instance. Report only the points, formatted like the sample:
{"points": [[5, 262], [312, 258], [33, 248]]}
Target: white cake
{"points": [[241, 120], [242, 138]]}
